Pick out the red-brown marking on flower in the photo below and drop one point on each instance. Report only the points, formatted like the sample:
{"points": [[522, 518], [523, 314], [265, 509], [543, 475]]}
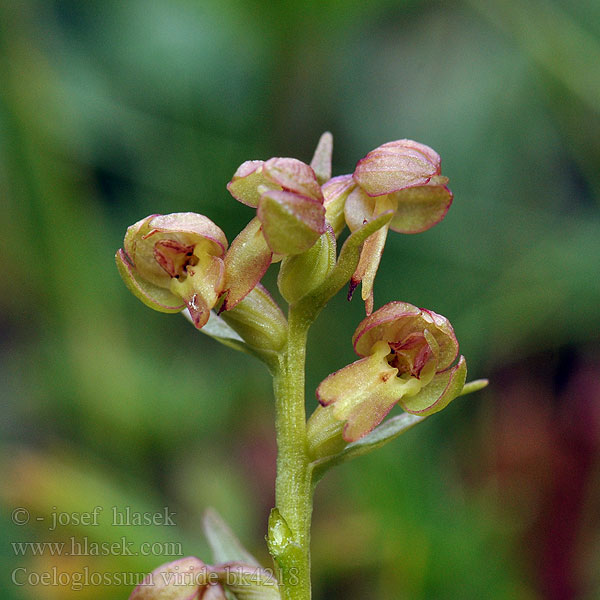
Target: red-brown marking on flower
{"points": [[173, 256]]}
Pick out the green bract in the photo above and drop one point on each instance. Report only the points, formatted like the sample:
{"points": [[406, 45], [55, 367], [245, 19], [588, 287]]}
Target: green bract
{"points": [[302, 273], [258, 320], [288, 199], [321, 161]]}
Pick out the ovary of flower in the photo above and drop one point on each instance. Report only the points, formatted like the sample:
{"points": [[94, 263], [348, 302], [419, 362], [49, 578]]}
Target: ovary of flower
{"points": [[407, 356], [173, 261]]}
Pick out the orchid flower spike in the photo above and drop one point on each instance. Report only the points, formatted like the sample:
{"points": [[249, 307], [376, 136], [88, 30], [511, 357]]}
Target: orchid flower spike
{"points": [[408, 354], [175, 261], [401, 176]]}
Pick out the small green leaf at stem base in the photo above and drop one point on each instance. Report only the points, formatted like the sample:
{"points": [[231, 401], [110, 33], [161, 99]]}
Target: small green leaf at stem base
{"points": [[286, 553]]}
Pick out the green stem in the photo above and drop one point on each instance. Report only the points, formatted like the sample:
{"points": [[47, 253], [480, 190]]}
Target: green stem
{"points": [[293, 486]]}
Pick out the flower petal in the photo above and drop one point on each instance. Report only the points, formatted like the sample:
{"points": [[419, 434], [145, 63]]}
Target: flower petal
{"points": [[444, 335], [294, 176], [141, 253], [358, 208], [420, 208], [245, 181], [444, 387], [258, 320], [178, 580], [291, 223], [246, 262], [201, 288], [196, 226], [180, 229], [155, 297], [394, 321], [395, 166], [214, 592]]}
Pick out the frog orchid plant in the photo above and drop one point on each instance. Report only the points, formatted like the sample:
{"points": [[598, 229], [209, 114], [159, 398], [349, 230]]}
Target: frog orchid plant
{"points": [[407, 355]]}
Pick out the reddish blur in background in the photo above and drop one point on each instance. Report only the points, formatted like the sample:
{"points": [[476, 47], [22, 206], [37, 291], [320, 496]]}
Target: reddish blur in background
{"points": [[113, 110]]}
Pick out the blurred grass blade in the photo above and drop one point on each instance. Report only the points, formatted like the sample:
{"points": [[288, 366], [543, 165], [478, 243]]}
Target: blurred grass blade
{"points": [[554, 40]]}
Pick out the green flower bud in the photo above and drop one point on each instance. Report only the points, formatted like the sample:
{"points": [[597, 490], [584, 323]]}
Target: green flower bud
{"points": [[335, 192], [302, 273], [258, 320]]}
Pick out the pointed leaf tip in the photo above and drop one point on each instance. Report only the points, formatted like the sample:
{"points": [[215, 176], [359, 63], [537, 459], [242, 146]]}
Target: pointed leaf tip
{"points": [[321, 162], [225, 545], [443, 388]]}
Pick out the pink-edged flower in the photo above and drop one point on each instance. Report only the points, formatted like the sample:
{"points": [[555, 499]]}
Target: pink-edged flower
{"points": [[403, 177], [190, 579], [407, 356], [290, 218], [184, 579], [175, 261]]}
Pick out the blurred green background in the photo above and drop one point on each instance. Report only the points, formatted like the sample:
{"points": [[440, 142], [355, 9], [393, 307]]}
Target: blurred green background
{"points": [[113, 110]]}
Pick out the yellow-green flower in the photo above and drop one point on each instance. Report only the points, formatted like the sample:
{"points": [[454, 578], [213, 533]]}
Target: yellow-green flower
{"points": [[407, 356], [175, 261]]}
